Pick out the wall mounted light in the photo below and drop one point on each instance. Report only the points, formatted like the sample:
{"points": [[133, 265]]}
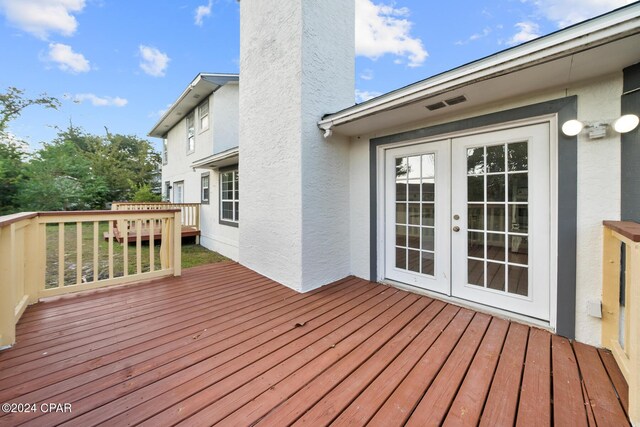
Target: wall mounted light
{"points": [[626, 123], [597, 130], [572, 127]]}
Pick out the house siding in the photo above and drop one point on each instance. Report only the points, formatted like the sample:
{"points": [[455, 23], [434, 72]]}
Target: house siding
{"points": [[221, 135]]}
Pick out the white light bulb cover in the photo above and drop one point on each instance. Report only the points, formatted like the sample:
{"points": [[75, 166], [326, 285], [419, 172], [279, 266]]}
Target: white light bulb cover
{"points": [[626, 123], [572, 127]]}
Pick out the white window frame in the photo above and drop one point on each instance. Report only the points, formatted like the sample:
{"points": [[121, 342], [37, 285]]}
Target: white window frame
{"points": [[190, 123], [235, 196], [205, 196], [203, 115], [165, 151]]}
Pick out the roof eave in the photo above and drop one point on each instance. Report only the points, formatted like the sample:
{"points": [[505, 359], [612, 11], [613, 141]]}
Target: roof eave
{"points": [[214, 80], [613, 26]]}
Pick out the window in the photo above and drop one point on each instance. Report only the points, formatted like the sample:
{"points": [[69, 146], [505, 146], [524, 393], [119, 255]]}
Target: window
{"points": [[229, 197], [203, 115], [178, 192], [165, 153], [191, 134], [204, 188], [167, 191]]}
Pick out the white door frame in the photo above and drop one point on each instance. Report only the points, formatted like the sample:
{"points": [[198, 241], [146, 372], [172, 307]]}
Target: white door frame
{"points": [[552, 120]]}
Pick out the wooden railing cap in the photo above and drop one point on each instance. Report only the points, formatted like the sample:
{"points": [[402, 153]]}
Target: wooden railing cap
{"points": [[123, 213], [10, 219], [629, 229]]}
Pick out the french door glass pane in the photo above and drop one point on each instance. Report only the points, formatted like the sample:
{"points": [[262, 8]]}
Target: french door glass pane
{"points": [[415, 213], [497, 209]]}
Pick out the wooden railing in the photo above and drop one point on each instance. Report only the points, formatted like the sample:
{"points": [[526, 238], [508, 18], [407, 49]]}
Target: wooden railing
{"points": [[190, 212], [54, 253], [621, 304]]}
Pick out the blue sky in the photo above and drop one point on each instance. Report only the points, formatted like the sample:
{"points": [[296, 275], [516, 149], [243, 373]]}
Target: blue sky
{"points": [[120, 64]]}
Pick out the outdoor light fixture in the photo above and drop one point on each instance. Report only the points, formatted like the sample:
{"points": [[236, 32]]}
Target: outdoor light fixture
{"points": [[626, 123], [572, 127], [597, 130]]}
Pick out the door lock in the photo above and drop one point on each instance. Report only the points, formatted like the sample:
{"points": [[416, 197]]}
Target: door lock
{"points": [[456, 228], [456, 217]]}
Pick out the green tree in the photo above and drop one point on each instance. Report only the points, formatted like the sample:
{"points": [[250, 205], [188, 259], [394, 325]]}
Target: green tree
{"points": [[12, 153], [60, 177], [88, 171], [11, 174], [12, 102], [145, 194]]}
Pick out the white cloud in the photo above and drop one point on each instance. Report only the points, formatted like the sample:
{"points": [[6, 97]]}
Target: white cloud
{"points": [[367, 74], [153, 61], [475, 36], [96, 101], [527, 31], [365, 95], [383, 29], [41, 17], [202, 12], [67, 59], [568, 12]]}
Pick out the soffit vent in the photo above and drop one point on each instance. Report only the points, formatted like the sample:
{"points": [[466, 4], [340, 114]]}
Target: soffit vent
{"points": [[436, 106], [456, 100]]}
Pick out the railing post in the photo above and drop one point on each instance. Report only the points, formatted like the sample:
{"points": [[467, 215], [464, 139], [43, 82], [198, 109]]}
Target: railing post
{"points": [[177, 244], [633, 311], [610, 288], [7, 297], [35, 240]]}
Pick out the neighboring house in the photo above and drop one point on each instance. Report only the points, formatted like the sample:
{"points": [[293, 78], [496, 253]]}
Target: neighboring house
{"points": [[200, 156], [462, 185]]}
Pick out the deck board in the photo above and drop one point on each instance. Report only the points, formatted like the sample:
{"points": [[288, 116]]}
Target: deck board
{"points": [[224, 345]]}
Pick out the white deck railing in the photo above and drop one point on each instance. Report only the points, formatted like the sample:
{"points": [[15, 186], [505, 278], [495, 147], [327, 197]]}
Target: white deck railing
{"points": [[621, 304], [54, 253]]}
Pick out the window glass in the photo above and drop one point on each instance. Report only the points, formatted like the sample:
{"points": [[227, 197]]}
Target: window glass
{"points": [[203, 115], [165, 154], [204, 188], [191, 134], [229, 196]]}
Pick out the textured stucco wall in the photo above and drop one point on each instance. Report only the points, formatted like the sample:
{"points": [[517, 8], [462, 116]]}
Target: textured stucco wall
{"points": [[214, 236], [225, 118], [296, 63], [598, 197], [598, 187]]}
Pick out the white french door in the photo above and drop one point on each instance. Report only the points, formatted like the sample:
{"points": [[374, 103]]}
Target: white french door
{"points": [[469, 217], [417, 215]]}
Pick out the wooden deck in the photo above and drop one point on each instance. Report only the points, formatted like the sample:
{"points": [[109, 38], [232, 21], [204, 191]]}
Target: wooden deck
{"points": [[224, 345], [187, 231]]}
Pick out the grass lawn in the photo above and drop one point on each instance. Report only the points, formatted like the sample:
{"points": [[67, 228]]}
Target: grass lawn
{"points": [[192, 255]]}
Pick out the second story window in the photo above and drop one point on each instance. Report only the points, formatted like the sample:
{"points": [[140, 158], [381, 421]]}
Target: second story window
{"points": [[203, 115], [165, 151], [191, 134]]}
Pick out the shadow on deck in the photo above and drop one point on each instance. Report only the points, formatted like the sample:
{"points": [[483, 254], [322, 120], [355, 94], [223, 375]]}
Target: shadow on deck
{"points": [[222, 344]]}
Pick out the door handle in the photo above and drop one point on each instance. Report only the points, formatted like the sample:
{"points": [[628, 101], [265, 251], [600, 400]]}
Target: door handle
{"points": [[456, 228]]}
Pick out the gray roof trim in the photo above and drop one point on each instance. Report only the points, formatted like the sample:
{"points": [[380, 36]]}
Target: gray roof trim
{"points": [[204, 84]]}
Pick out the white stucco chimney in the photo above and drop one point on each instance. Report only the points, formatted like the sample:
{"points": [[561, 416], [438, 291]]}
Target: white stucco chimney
{"points": [[296, 64]]}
